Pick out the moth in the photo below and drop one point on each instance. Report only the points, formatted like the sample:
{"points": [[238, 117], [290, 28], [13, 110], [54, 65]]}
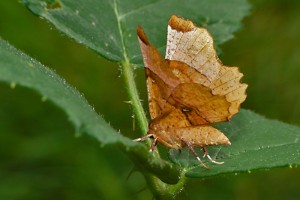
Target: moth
{"points": [[189, 89]]}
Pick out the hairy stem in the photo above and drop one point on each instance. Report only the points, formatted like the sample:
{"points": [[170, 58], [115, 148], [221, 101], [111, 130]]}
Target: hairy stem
{"points": [[135, 102], [128, 75]]}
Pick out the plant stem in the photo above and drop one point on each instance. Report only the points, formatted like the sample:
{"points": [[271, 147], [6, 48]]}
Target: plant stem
{"points": [[139, 113], [163, 191], [128, 74]]}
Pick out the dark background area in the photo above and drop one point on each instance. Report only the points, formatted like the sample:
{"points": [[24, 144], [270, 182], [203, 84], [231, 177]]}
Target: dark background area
{"points": [[40, 158]]}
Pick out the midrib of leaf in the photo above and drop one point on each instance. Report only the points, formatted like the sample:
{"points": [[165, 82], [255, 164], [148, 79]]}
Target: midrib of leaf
{"points": [[118, 17], [135, 11]]}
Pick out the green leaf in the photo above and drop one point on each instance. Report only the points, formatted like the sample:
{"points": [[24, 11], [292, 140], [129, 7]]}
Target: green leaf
{"points": [[17, 68], [109, 26], [256, 143]]}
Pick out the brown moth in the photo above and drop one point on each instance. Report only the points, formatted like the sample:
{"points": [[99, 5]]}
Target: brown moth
{"points": [[189, 89]]}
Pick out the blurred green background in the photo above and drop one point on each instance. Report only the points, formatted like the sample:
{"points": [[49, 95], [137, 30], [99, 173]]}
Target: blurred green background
{"points": [[41, 159]]}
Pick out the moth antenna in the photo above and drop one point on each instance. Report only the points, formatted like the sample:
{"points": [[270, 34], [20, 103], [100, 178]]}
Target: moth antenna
{"points": [[194, 152], [141, 139]]}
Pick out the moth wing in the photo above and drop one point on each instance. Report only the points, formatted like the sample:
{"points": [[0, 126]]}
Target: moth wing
{"points": [[228, 85], [199, 105], [160, 80], [173, 127], [201, 135], [157, 90], [192, 45]]}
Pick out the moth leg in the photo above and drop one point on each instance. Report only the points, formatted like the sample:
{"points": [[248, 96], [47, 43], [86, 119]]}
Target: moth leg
{"points": [[208, 156], [153, 145], [204, 151], [194, 152], [141, 139]]}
